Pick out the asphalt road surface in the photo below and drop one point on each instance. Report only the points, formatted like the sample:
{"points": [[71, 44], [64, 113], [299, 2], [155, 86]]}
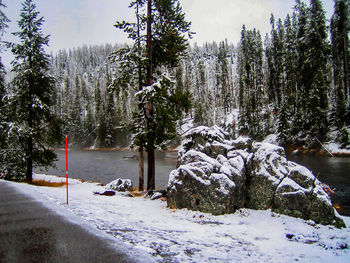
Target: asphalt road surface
{"points": [[30, 232]]}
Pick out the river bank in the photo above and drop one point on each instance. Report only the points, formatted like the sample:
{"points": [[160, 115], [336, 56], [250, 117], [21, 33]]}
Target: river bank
{"points": [[330, 151]]}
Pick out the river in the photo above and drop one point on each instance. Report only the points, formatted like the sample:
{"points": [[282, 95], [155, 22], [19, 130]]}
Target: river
{"points": [[106, 166]]}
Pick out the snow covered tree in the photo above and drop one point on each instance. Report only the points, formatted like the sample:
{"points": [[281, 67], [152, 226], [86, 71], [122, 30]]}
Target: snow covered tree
{"points": [[75, 114], [34, 128], [250, 74], [167, 104], [283, 124], [159, 43], [223, 78], [275, 61], [316, 85], [340, 28], [290, 57], [3, 124], [110, 119]]}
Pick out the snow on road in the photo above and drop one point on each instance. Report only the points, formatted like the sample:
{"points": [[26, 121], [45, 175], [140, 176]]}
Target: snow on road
{"points": [[187, 236]]}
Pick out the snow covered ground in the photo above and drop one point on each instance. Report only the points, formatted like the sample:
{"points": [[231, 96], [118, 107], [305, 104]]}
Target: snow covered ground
{"points": [[335, 148], [187, 236]]}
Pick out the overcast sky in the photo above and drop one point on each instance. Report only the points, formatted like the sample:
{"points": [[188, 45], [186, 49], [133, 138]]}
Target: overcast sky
{"points": [[72, 23]]}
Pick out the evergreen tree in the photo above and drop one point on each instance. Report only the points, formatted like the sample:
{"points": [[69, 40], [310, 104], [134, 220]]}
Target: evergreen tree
{"points": [[167, 105], [316, 84], [99, 117], [164, 28], [111, 120], [290, 58], [223, 77], [283, 125], [250, 72], [303, 69], [101, 132], [275, 61], [67, 97], [75, 115], [3, 94], [89, 128], [340, 28], [34, 127]]}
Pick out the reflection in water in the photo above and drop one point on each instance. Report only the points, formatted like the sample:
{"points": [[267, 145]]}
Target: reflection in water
{"points": [[333, 171], [106, 166]]}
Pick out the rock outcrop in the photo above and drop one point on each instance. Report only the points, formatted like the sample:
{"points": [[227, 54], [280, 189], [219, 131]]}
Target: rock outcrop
{"points": [[218, 175]]}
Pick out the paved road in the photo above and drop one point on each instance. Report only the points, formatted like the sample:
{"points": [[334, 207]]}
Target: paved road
{"points": [[30, 232]]}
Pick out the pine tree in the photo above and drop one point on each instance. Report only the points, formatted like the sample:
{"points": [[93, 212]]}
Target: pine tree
{"points": [[223, 77], [111, 120], [89, 128], [164, 29], [3, 93], [316, 84], [250, 72], [99, 117], [76, 114], [303, 69], [34, 127], [290, 58], [340, 28], [275, 61], [3, 25], [283, 125]]}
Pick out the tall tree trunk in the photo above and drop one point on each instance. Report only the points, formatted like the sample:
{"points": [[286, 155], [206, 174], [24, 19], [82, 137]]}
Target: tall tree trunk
{"points": [[141, 158], [149, 43], [346, 78], [141, 169], [151, 179], [150, 151], [29, 172]]}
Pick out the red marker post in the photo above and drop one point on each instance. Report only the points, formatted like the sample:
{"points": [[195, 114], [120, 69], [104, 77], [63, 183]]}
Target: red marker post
{"points": [[67, 166]]}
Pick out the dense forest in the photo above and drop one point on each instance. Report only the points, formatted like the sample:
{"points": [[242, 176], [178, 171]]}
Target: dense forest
{"points": [[293, 82], [100, 116]]}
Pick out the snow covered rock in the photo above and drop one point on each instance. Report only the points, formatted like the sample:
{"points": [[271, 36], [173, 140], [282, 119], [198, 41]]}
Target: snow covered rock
{"points": [[191, 187], [219, 176], [291, 199], [268, 167], [207, 140], [120, 185], [156, 196]]}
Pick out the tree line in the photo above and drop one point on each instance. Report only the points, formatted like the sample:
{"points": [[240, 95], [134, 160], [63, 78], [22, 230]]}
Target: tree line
{"points": [[99, 115], [298, 79], [294, 83]]}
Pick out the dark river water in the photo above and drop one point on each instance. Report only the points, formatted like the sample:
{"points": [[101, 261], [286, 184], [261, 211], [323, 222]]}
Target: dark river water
{"points": [[106, 166]]}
